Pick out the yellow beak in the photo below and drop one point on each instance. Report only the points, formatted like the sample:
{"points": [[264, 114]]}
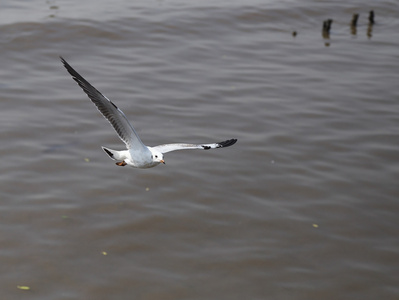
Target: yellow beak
{"points": [[162, 161]]}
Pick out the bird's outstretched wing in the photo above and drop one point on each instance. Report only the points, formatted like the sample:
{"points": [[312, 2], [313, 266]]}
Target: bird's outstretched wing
{"points": [[109, 110], [173, 147]]}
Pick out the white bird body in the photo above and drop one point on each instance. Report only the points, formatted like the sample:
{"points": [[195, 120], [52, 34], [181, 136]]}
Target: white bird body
{"points": [[137, 154], [143, 161]]}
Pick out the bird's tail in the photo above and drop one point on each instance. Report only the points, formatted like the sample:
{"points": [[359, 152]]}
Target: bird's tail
{"points": [[114, 154]]}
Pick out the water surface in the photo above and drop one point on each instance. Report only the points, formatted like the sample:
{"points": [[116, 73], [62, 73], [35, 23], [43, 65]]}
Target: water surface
{"points": [[304, 206]]}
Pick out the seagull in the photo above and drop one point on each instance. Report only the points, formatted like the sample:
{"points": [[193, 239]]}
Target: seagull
{"points": [[137, 154]]}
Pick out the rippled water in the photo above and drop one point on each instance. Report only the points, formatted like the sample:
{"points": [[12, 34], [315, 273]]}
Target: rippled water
{"points": [[304, 206]]}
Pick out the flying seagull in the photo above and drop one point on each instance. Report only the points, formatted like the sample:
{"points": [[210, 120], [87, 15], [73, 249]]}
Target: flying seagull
{"points": [[137, 154]]}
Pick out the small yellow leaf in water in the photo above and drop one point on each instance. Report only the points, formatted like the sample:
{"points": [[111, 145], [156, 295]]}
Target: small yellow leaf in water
{"points": [[104, 253], [87, 160], [147, 189], [23, 287], [315, 226]]}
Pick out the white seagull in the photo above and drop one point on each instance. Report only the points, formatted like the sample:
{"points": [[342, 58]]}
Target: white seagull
{"points": [[137, 154]]}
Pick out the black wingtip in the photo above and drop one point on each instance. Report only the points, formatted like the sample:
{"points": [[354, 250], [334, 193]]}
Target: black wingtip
{"points": [[75, 75], [64, 62], [108, 152], [70, 70], [227, 143]]}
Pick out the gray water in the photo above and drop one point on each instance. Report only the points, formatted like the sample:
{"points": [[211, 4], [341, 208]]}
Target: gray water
{"points": [[304, 206]]}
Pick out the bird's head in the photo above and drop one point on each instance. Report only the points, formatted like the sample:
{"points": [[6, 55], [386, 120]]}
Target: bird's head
{"points": [[157, 156]]}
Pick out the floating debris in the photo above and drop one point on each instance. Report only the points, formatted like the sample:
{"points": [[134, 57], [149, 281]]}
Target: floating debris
{"points": [[87, 159], [23, 287], [294, 33], [104, 253], [315, 225]]}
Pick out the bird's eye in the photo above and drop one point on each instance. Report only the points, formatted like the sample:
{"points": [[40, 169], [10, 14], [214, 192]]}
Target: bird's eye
{"points": [[156, 156]]}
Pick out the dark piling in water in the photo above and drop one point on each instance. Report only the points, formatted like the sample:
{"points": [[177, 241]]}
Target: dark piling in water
{"points": [[326, 28], [371, 17], [355, 17], [371, 23]]}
